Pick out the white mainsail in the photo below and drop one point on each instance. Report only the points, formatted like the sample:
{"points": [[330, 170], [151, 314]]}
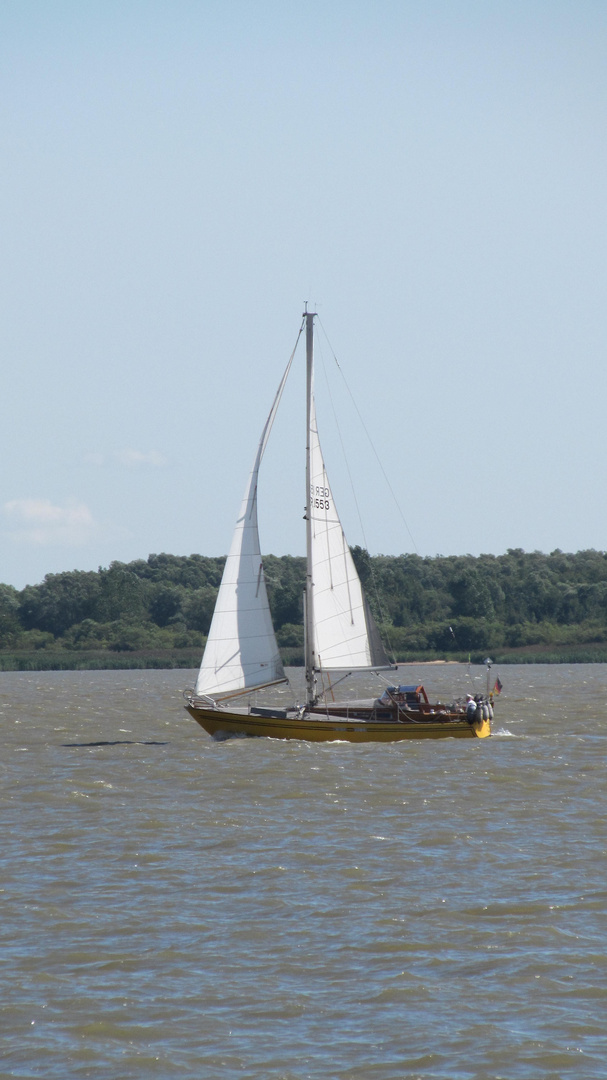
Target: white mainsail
{"points": [[345, 635], [241, 651]]}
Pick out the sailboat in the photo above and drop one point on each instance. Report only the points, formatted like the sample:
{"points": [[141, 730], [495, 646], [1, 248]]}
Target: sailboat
{"points": [[242, 657]]}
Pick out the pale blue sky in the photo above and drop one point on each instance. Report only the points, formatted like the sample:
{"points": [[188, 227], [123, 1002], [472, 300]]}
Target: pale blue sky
{"points": [[177, 178]]}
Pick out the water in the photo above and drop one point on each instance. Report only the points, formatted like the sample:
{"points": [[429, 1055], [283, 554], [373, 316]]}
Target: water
{"points": [[171, 906]]}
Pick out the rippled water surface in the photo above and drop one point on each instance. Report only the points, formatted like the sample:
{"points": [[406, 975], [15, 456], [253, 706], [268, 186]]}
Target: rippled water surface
{"points": [[171, 906]]}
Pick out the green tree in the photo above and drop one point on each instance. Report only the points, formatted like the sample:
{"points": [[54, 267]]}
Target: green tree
{"points": [[286, 583], [122, 594], [60, 601], [10, 627], [198, 609], [166, 604]]}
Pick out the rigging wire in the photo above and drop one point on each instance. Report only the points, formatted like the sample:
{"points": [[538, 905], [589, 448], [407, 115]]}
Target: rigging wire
{"points": [[365, 429], [352, 486], [343, 448]]}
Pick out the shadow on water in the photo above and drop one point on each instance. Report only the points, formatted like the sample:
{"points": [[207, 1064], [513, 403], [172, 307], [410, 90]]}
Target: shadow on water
{"points": [[118, 742]]}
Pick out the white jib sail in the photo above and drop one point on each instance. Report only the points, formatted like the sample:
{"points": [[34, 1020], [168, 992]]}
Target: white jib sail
{"points": [[345, 635], [241, 651]]}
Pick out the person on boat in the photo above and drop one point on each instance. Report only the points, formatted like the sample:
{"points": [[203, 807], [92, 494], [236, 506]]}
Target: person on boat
{"points": [[470, 707]]}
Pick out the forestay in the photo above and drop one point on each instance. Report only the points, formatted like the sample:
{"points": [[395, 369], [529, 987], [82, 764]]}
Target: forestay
{"points": [[241, 651]]}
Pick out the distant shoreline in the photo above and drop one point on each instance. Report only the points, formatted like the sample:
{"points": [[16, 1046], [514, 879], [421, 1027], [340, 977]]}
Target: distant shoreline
{"points": [[517, 608]]}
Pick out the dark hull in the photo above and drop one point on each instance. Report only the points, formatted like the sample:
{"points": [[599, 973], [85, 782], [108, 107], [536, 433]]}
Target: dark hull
{"points": [[223, 723]]}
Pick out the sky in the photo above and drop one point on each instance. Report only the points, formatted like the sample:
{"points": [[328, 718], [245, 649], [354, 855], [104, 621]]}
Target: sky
{"points": [[177, 178]]}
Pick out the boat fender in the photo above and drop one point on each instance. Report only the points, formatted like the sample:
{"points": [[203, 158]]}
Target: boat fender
{"points": [[479, 712], [490, 710], [485, 712]]}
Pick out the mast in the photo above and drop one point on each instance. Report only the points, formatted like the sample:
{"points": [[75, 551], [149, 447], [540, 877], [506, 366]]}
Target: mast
{"points": [[310, 645]]}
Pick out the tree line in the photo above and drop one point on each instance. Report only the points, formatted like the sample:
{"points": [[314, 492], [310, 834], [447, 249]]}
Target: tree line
{"points": [[446, 606]]}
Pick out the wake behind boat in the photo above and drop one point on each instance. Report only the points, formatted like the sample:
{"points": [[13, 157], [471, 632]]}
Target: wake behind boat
{"points": [[242, 655]]}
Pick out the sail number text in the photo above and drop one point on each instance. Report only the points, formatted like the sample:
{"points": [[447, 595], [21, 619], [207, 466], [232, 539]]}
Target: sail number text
{"points": [[319, 498]]}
